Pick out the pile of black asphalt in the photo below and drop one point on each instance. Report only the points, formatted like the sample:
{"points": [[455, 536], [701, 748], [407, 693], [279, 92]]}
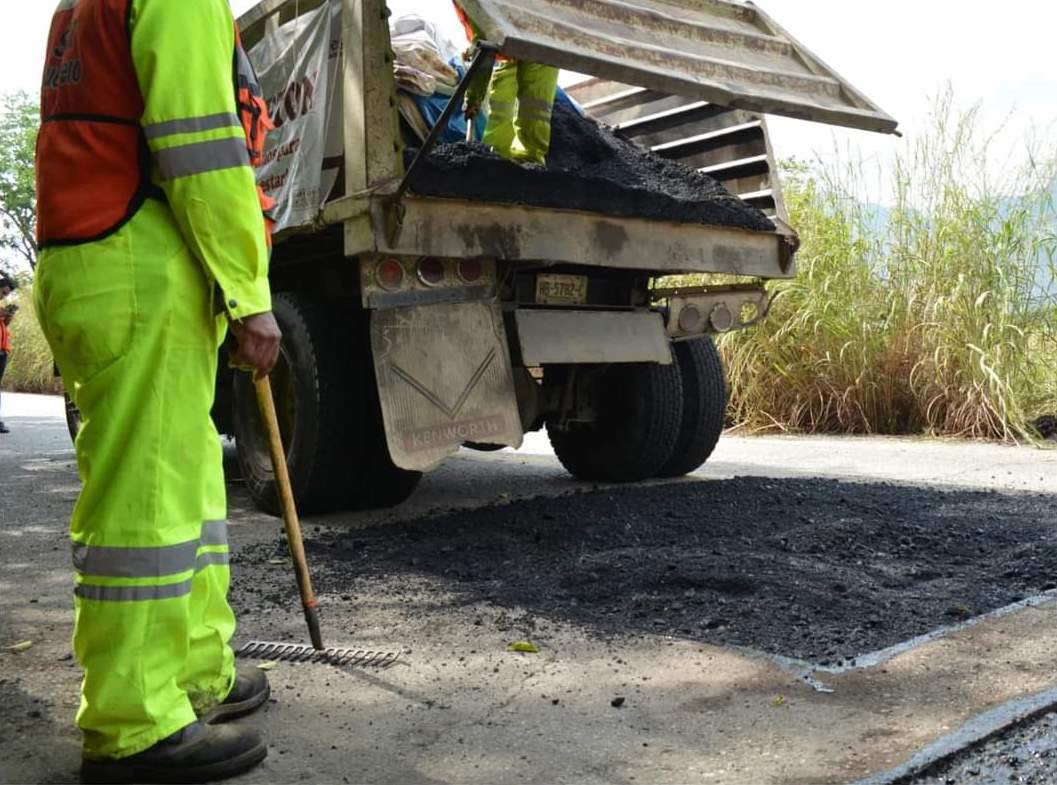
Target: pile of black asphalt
{"points": [[589, 168], [819, 570]]}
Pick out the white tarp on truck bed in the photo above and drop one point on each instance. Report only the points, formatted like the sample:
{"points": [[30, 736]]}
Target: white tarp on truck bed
{"points": [[298, 66]]}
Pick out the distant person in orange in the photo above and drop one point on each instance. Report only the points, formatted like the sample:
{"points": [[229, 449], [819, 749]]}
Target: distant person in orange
{"points": [[7, 285]]}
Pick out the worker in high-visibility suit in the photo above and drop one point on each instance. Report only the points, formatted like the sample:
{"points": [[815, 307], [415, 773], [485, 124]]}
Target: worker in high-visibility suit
{"points": [[152, 242], [520, 103]]}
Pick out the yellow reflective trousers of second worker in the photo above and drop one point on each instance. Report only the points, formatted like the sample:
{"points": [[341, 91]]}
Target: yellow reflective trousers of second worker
{"points": [[521, 101]]}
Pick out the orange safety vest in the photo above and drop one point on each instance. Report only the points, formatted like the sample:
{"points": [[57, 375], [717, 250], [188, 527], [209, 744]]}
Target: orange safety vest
{"points": [[93, 163], [5, 336], [256, 122]]}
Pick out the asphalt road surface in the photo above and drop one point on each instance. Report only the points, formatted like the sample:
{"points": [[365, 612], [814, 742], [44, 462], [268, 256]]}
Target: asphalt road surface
{"points": [[802, 611]]}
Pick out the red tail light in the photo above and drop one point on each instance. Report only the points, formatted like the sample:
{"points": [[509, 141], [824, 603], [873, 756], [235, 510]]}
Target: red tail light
{"points": [[471, 270], [431, 271], [390, 275]]}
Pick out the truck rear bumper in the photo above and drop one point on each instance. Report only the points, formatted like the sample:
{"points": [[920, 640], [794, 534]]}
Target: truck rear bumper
{"points": [[548, 337], [452, 228]]}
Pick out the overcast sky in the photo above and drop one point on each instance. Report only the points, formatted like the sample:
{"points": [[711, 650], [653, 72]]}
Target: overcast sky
{"points": [[898, 52]]}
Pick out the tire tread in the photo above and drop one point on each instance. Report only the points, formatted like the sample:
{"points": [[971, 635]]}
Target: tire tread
{"points": [[634, 447], [321, 455], [705, 398]]}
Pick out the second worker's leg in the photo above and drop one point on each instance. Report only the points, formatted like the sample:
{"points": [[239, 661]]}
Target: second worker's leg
{"points": [[502, 104], [537, 86]]}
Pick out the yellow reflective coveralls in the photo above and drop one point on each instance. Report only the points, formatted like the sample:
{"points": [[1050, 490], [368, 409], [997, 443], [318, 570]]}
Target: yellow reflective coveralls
{"points": [[520, 104], [134, 325]]}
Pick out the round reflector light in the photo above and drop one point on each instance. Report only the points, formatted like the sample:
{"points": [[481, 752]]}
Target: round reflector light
{"points": [[390, 274], [722, 319], [690, 319], [431, 271], [471, 270]]}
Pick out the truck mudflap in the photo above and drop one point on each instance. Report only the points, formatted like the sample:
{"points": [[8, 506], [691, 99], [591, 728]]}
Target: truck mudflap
{"points": [[444, 379]]}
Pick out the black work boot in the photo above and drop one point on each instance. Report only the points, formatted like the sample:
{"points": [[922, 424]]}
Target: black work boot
{"points": [[198, 753], [250, 692], [3, 428]]}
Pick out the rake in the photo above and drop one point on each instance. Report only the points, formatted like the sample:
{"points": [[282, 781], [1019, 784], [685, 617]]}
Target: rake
{"points": [[297, 652]]}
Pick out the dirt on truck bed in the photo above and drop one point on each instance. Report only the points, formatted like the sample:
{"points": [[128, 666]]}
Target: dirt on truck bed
{"points": [[589, 168]]}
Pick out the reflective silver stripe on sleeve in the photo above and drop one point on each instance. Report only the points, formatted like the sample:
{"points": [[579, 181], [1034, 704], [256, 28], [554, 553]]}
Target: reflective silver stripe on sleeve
{"points": [[107, 562], [202, 157], [215, 533], [211, 560], [133, 593], [190, 125]]}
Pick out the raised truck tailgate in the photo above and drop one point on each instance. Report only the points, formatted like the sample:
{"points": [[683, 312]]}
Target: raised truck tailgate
{"points": [[723, 52]]}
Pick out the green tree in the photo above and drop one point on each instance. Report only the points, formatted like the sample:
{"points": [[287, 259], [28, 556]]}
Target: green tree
{"points": [[19, 122]]}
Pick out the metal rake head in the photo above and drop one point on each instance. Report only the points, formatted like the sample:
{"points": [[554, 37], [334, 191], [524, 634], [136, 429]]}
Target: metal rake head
{"points": [[299, 652]]}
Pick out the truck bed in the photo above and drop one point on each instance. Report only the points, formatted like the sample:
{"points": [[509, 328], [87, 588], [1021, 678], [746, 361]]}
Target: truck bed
{"points": [[459, 228], [589, 169]]}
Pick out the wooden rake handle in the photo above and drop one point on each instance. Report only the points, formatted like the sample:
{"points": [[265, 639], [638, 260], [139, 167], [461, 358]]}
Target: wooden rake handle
{"points": [[289, 509]]}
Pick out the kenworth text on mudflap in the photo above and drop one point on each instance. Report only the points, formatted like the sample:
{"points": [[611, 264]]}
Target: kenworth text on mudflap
{"points": [[416, 324]]}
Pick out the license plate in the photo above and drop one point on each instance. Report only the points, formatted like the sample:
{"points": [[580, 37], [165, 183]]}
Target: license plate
{"points": [[555, 289]]}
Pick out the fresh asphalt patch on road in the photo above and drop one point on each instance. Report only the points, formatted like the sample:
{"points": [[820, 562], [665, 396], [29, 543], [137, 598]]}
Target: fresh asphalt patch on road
{"points": [[817, 570]]}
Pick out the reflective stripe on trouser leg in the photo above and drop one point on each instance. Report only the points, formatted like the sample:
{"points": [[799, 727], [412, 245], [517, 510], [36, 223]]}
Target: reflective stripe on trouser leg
{"points": [[209, 672], [130, 321], [502, 101], [537, 86]]}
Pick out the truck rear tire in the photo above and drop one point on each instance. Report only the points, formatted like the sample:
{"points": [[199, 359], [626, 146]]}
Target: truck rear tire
{"points": [[311, 385], [380, 483], [704, 406], [639, 410]]}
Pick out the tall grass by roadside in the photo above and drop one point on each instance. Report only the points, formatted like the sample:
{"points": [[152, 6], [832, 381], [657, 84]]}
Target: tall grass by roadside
{"points": [[929, 316], [29, 367]]}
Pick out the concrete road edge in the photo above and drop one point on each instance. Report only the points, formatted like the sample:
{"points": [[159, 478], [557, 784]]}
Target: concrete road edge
{"points": [[973, 733]]}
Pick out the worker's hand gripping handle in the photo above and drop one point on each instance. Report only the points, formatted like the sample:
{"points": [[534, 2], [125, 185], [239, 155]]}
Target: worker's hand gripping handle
{"points": [[289, 509]]}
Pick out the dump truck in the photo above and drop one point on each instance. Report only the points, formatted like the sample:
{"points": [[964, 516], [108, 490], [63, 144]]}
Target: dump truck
{"points": [[415, 325]]}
